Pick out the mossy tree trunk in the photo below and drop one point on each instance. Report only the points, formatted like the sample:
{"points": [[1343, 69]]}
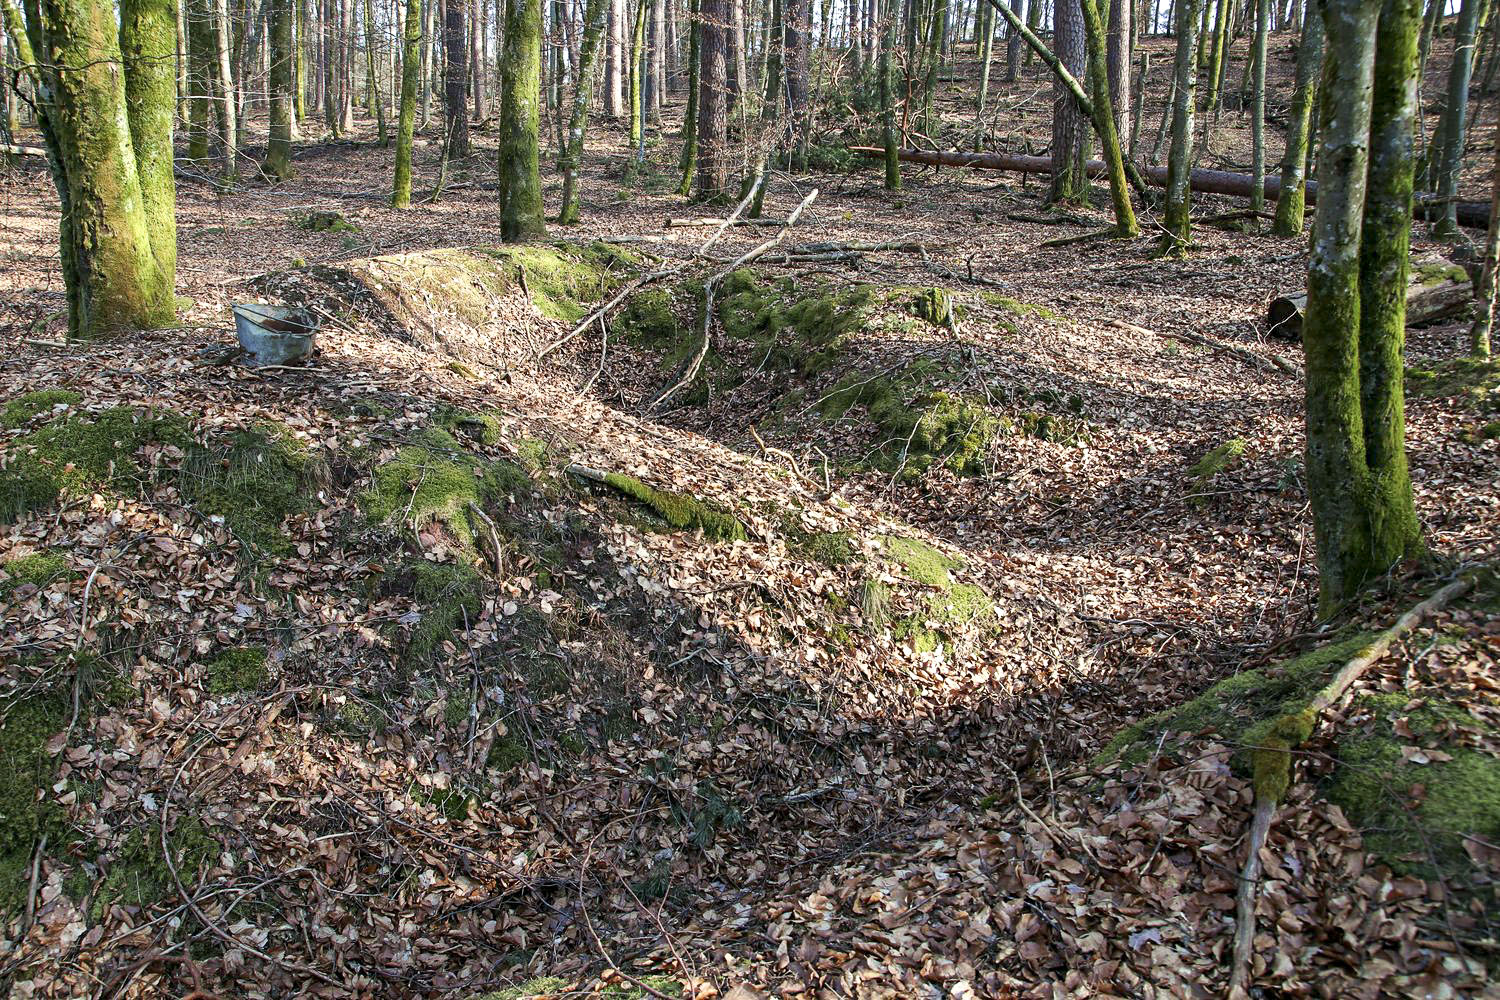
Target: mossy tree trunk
{"points": [[1291, 205], [713, 119], [636, 95], [148, 44], [688, 163], [1353, 329], [201, 53], [583, 87], [456, 79], [411, 66], [887, 70], [1484, 319], [775, 62], [1177, 217], [520, 98], [1448, 146], [1105, 121], [1258, 106], [110, 136], [279, 147], [796, 36], [372, 71]]}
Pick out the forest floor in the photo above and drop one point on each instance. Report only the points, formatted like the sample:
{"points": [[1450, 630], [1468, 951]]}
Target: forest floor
{"points": [[352, 679]]}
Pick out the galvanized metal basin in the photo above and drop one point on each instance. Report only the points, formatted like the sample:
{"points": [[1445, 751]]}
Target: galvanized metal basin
{"points": [[274, 335]]}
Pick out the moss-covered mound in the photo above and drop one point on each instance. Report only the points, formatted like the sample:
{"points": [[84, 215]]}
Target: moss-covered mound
{"points": [[27, 407], [81, 453], [953, 612], [254, 480], [917, 429], [794, 326], [447, 597], [1411, 775], [25, 814], [37, 570], [1473, 382], [435, 479]]}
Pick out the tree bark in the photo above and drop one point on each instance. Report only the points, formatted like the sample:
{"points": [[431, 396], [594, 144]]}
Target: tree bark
{"points": [[1484, 319], [688, 163], [456, 79], [1356, 470], [1452, 128], [223, 91], [1291, 205], [520, 98], [595, 17], [1013, 43], [1258, 104], [411, 68], [615, 60], [278, 162], [1120, 28], [887, 72], [105, 135], [370, 68], [713, 124], [1069, 130], [1176, 218], [1105, 121]]}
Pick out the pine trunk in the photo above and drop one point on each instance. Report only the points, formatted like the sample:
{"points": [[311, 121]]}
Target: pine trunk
{"points": [[713, 122], [1258, 104], [1105, 121], [456, 80], [1070, 132]]}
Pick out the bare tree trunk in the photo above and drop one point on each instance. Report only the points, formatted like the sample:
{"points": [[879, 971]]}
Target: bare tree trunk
{"points": [[1453, 128], [456, 80], [1118, 59], [713, 120], [278, 162], [224, 91], [1291, 205], [1070, 133], [1258, 104], [615, 59], [1484, 319]]}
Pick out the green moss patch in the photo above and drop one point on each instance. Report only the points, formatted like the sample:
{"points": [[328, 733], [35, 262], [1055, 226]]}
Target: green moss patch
{"points": [[1242, 708], [325, 222], [1017, 307], [1416, 807], [1474, 382], [792, 325], [447, 596], [562, 278], [236, 670], [37, 569], [921, 561], [254, 479], [678, 510], [80, 454], [26, 408], [137, 875], [935, 305], [481, 428], [543, 986], [435, 479], [1216, 462], [25, 814], [917, 432]]}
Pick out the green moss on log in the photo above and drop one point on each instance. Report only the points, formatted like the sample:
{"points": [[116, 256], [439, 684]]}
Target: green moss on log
{"points": [[678, 510]]}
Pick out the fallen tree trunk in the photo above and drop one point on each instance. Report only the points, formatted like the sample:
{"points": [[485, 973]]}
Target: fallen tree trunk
{"points": [[1436, 288], [1470, 213]]}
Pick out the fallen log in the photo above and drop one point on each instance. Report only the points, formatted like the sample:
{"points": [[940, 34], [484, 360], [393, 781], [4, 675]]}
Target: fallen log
{"points": [[9, 149], [1475, 214], [1435, 288]]}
